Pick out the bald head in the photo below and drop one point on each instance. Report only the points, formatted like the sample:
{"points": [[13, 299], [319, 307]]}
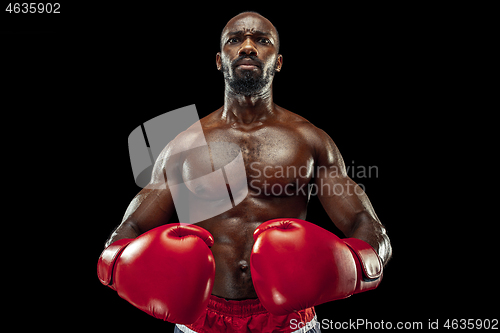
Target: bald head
{"points": [[248, 21]]}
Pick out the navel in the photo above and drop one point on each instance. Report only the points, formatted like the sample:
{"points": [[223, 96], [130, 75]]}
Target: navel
{"points": [[243, 265]]}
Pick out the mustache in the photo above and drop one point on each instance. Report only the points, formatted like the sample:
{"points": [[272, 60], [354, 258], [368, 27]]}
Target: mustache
{"points": [[252, 57]]}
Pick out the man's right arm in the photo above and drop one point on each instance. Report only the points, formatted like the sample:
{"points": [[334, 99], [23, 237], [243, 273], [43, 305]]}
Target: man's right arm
{"points": [[153, 206]]}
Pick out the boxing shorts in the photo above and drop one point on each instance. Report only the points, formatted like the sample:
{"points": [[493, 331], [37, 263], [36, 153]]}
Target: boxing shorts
{"points": [[249, 316]]}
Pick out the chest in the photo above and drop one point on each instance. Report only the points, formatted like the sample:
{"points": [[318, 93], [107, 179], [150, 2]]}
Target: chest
{"points": [[266, 157]]}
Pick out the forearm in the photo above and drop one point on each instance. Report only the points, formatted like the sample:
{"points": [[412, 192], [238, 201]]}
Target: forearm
{"points": [[149, 209], [124, 230], [373, 232]]}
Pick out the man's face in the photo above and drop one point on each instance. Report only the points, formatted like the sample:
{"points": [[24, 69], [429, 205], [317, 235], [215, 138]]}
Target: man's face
{"points": [[249, 55]]}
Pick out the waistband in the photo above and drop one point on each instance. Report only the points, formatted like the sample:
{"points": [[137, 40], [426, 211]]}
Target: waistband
{"points": [[243, 308]]}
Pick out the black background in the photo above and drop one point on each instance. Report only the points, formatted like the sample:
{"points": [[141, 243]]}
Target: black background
{"points": [[384, 83]]}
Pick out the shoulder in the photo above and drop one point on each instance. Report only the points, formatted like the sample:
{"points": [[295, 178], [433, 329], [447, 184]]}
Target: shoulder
{"points": [[194, 136], [322, 145], [189, 138], [298, 122]]}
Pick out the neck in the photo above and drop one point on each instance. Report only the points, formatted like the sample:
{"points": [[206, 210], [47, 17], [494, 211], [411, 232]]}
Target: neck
{"points": [[247, 109]]}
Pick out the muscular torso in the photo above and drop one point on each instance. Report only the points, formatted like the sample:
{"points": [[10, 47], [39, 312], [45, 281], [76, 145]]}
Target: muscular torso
{"points": [[278, 162]]}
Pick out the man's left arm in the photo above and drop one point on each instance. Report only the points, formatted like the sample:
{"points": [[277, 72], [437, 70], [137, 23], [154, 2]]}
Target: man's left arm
{"points": [[345, 202]]}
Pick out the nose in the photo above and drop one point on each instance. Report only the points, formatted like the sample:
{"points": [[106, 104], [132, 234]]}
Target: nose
{"points": [[248, 48]]}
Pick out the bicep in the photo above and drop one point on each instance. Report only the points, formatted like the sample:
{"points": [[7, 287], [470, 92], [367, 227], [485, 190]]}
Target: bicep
{"points": [[345, 202], [343, 199]]}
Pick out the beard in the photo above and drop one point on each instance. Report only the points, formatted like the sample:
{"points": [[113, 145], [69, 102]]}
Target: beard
{"points": [[248, 82]]}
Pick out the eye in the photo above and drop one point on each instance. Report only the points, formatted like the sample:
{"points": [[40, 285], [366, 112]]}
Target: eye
{"points": [[233, 40], [264, 40]]}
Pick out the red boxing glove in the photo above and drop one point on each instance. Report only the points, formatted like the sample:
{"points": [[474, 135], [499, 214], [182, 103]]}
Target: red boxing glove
{"points": [[296, 265], [167, 272]]}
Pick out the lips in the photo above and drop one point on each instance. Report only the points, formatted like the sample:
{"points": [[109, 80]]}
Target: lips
{"points": [[247, 64]]}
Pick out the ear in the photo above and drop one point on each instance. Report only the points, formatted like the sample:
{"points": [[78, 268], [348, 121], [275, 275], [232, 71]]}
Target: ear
{"points": [[279, 63], [218, 61]]}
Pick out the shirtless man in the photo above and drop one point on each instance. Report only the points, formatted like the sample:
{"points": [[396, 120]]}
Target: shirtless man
{"points": [[271, 139]]}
